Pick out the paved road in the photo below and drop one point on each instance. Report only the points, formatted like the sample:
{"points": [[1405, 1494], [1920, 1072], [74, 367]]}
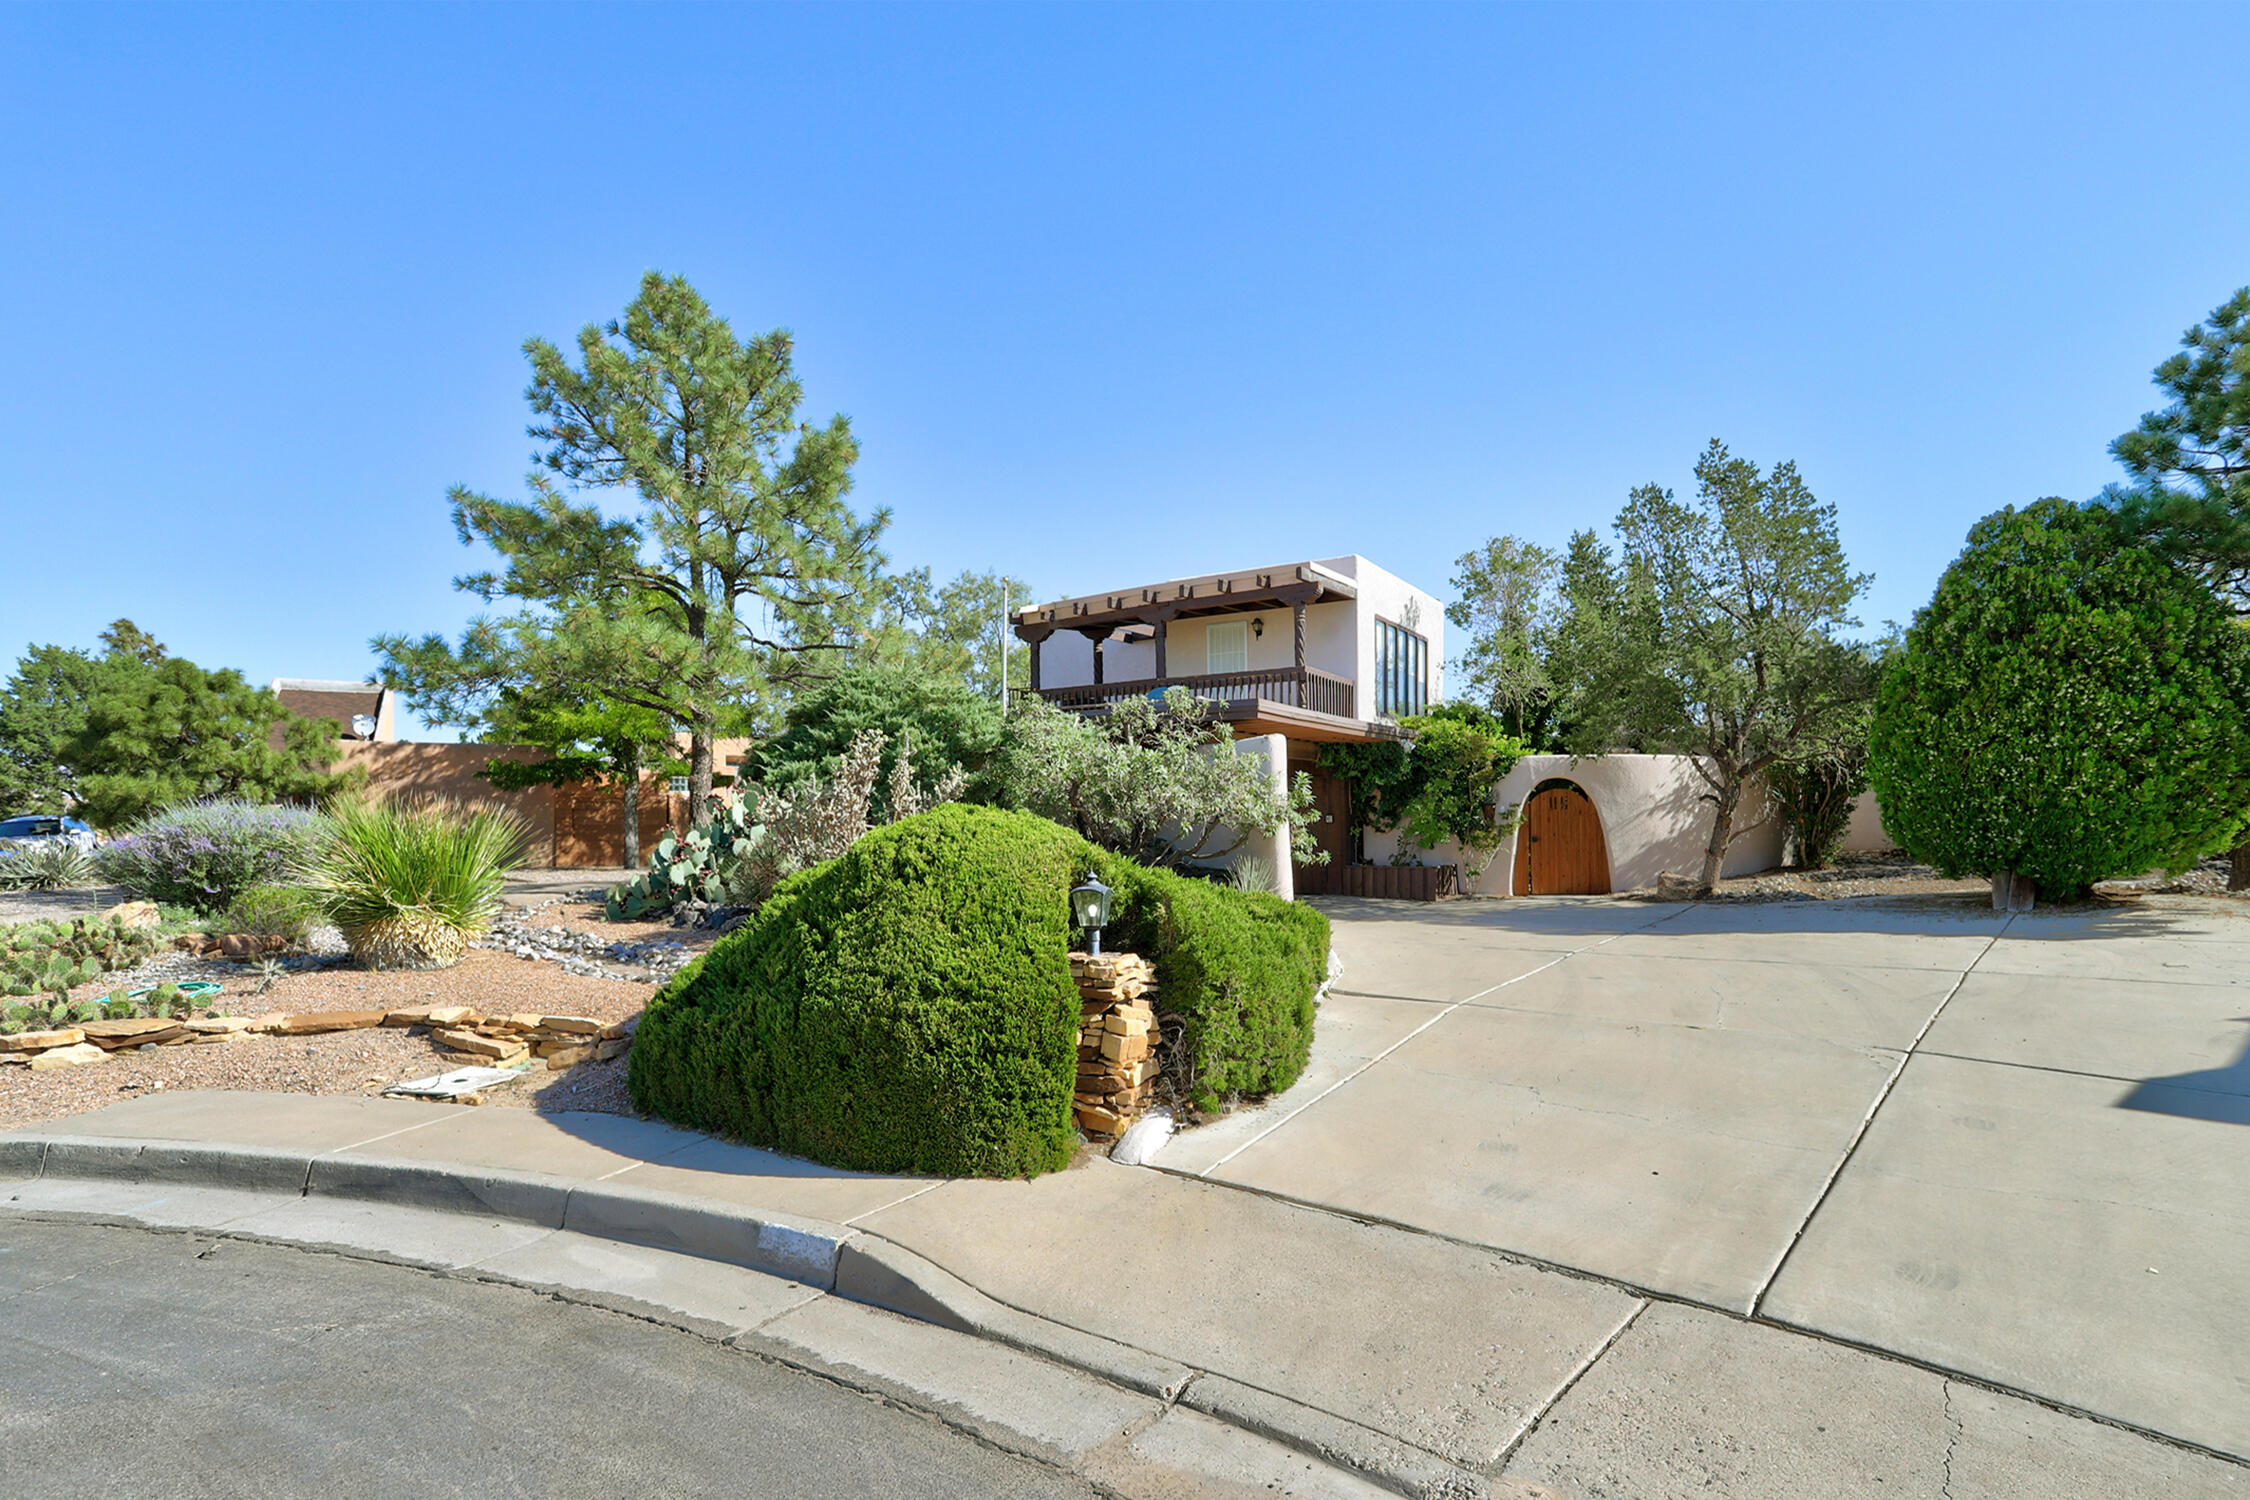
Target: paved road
{"points": [[162, 1365]]}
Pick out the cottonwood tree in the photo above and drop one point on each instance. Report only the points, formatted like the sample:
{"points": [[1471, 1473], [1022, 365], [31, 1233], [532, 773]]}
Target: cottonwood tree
{"points": [[739, 574], [1715, 633], [1508, 599], [953, 630], [2190, 462]]}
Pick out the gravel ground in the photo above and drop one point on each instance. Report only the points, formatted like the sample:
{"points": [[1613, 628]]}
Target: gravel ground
{"points": [[49, 906], [492, 980], [1897, 874]]}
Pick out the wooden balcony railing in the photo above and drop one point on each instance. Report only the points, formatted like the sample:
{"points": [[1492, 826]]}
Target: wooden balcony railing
{"points": [[1298, 687]]}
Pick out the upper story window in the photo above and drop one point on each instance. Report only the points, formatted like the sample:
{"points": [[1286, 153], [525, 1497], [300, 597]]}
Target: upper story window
{"points": [[1402, 671], [1226, 646]]}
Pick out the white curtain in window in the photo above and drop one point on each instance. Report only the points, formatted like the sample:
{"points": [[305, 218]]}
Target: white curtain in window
{"points": [[1226, 647]]}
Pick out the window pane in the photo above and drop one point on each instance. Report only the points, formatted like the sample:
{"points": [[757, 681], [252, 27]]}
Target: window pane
{"points": [[1226, 647]]}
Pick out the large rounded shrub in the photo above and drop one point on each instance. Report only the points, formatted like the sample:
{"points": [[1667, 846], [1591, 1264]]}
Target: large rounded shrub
{"points": [[2068, 707], [905, 1008], [909, 1006]]}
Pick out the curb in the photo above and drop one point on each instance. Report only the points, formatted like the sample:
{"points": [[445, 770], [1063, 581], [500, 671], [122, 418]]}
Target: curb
{"points": [[827, 1257]]}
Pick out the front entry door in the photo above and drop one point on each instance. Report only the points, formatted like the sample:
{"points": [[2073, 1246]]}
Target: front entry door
{"points": [[1559, 849], [1331, 818]]}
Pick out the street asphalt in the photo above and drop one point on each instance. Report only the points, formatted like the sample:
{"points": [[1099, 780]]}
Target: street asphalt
{"points": [[172, 1365], [1603, 1198]]}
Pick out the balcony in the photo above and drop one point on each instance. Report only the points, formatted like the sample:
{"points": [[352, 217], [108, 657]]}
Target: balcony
{"points": [[1307, 688]]}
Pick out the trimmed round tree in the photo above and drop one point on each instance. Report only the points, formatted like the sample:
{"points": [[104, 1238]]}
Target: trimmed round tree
{"points": [[2068, 707]]}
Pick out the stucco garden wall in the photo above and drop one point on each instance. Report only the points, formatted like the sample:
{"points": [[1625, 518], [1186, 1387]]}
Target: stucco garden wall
{"points": [[1864, 835], [1652, 812]]}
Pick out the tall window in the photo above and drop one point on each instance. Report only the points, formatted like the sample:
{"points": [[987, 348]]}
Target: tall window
{"points": [[1226, 647], [1402, 671]]}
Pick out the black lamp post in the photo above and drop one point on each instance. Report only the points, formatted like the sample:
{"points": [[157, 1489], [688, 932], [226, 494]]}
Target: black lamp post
{"points": [[1089, 908]]}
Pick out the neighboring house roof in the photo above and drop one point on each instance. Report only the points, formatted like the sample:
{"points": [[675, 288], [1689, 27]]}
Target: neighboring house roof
{"points": [[342, 703]]}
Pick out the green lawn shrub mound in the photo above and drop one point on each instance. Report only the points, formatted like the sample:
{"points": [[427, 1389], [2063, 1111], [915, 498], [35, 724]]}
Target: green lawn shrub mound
{"points": [[905, 1008], [2068, 707], [1240, 968], [909, 1006]]}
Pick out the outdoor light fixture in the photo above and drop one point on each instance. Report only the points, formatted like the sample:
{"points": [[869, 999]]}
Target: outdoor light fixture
{"points": [[1258, 626], [1089, 908]]}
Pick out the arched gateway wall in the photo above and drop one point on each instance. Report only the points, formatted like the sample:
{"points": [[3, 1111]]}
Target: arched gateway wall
{"points": [[1653, 818]]}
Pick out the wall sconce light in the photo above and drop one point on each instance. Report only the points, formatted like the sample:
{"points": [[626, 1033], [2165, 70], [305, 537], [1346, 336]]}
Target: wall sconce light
{"points": [[1258, 626]]}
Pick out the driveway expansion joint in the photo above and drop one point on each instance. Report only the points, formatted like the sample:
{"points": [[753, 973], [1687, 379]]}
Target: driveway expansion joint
{"points": [[1867, 1121]]}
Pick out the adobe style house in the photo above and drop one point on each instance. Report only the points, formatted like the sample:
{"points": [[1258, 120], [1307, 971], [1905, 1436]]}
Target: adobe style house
{"points": [[1295, 656]]}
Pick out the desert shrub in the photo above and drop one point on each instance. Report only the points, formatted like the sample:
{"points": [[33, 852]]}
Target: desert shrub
{"points": [[905, 1008], [909, 1007], [412, 883], [48, 865], [1238, 968], [2068, 707], [1815, 797], [204, 854], [944, 724], [1160, 783], [738, 855], [282, 911]]}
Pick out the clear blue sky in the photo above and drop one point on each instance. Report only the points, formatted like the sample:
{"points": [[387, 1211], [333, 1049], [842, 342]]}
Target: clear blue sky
{"points": [[1110, 294]]}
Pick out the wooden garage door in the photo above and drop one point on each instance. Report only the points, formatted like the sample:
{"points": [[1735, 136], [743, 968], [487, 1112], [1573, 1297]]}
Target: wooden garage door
{"points": [[1559, 850]]}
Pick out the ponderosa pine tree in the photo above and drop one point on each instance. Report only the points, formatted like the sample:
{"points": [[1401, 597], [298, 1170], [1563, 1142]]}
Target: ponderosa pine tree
{"points": [[740, 574]]}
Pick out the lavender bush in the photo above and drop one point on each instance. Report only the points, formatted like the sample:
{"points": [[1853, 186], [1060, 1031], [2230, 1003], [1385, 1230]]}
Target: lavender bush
{"points": [[205, 854]]}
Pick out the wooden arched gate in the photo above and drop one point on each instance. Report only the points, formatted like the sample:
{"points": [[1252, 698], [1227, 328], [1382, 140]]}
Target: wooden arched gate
{"points": [[1559, 846]]}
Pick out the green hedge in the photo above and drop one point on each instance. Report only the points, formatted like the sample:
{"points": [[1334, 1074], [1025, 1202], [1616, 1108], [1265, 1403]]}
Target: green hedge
{"points": [[909, 1007], [1239, 967]]}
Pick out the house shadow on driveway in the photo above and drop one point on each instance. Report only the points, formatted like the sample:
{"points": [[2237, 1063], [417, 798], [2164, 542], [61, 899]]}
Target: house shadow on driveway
{"points": [[2219, 1094]]}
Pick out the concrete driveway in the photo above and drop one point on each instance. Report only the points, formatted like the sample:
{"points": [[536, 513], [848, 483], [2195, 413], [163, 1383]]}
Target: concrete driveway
{"points": [[2012, 1148]]}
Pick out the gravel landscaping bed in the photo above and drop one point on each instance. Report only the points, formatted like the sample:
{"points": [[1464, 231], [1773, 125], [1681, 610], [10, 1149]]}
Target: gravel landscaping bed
{"points": [[1896, 874], [344, 1062]]}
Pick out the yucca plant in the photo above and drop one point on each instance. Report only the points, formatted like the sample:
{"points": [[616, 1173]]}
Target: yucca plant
{"points": [[52, 865], [412, 884]]}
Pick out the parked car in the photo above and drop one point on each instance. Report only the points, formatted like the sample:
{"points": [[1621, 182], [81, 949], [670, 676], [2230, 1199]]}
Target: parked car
{"points": [[42, 829]]}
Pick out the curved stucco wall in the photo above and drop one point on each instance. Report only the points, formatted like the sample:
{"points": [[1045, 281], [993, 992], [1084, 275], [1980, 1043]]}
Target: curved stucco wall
{"points": [[1653, 820], [1653, 817]]}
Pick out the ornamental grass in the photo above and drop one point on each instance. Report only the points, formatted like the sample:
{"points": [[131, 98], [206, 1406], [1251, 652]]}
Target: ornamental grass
{"points": [[412, 884]]}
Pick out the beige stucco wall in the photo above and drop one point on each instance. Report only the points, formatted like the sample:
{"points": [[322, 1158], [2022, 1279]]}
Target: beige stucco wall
{"points": [[1864, 834], [1274, 848], [400, 768], [1653, 817]]}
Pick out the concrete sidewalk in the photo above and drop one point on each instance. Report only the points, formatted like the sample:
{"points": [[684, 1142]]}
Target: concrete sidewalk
{"points": [[1434, 1366]]}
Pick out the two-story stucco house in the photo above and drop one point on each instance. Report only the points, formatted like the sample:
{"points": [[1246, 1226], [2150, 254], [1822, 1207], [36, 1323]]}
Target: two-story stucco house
{"points": [[1295, 655]]}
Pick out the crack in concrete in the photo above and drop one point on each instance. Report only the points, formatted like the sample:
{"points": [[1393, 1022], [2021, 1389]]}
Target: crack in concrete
{"points": [[1952, 1439], [1867, 1122]]}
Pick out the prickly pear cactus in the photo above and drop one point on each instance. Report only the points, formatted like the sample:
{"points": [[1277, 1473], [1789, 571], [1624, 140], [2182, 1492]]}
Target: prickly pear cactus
{"points": [[700, 865]]}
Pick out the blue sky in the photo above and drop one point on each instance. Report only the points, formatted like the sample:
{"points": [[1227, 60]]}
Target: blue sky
{"points": [[1109, 293]]}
